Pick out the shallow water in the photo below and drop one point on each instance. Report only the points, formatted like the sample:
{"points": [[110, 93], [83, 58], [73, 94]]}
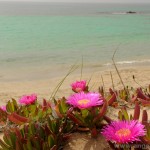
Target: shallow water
{"points": [[37, 38]]}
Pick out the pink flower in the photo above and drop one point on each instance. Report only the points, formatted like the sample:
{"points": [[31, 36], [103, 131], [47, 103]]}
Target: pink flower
{"points": [[122, 132], [85, 100], [3, 107], [78, 86], [28, 99]]}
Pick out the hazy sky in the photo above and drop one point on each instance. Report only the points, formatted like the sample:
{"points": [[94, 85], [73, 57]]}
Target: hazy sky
{"points": [[121, 1]]}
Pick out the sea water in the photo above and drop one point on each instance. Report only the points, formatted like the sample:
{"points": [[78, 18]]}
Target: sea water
{"points": [[43, 37]]}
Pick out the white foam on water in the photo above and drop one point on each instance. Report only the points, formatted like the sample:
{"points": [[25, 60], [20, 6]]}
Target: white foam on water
{"points": [[129, 62]]}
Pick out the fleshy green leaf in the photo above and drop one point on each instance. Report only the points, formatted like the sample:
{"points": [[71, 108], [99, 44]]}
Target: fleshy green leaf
{"points": [[84, 113], [125, 114], [51, 141]]}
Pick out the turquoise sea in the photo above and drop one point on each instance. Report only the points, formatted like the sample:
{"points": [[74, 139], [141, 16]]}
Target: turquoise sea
{"points": [[42, 37]]}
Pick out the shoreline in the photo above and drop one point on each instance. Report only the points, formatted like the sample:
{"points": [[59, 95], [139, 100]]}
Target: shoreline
{"points": [[18, 72], [44, 87]]}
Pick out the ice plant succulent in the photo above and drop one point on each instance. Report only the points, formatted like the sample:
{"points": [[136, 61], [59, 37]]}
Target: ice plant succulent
{"points": [[28, 99], [85, 100], [79, 86], [123, 132]]}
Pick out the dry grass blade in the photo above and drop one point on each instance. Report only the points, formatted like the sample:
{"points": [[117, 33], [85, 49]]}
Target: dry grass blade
{"points": [[103, 84], [73, 68], [113, 59], [92, 86], [89, 80], [137, 82], [112, 81], [81, 69]]}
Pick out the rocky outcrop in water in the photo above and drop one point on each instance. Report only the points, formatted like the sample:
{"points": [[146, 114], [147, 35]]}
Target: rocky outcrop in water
{"points": [[131, 12]]}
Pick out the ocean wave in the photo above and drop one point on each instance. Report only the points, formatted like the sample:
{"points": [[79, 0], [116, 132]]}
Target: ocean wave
{"points": [[129, 62]]}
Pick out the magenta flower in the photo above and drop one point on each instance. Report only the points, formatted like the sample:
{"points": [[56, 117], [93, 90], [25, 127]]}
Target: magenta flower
{"points": [[3, 107], [122, 132], [28, 99], [85, 100], [78, 86]]}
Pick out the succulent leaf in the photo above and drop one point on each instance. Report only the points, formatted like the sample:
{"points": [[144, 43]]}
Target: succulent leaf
{"points": [[15, 118], [120, 115], [125, 114], [136, 112], [141, 95], [144, 117], [102, 111], [112, 99]]}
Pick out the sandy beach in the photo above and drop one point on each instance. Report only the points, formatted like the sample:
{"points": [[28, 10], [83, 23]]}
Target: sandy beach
{"points": [[43, 88]]}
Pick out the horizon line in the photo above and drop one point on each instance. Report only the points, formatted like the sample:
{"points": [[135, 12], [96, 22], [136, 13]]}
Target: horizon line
{"points": [[71, 2]]}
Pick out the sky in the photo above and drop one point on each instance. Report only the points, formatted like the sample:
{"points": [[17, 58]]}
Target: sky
{"points": [[106, 1]]}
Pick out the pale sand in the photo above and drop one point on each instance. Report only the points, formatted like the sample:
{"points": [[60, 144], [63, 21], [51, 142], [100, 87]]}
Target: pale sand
{"points": [[83, 141], [43, 88]]}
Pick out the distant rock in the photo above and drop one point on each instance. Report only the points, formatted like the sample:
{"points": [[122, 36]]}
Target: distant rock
{"points": [[131, 12]]}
